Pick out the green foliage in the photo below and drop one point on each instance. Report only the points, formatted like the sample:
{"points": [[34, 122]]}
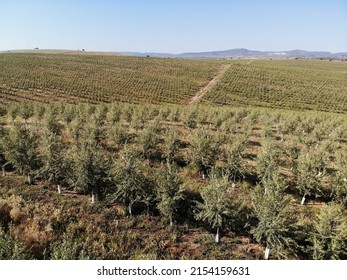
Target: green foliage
{"points": [[215, 208], [117, 136], [129, 179], [169, 191], [26, 111], [10, 247], [68, 249], [91, 169], [21, 149], [267, 160], [204, 150], [310, 171], [330, 234], [52, 124], [3, 111], [148, 141], [55, 166], [292, 150], [171, 145], [339, 184], [277, 226], [234, 154]]}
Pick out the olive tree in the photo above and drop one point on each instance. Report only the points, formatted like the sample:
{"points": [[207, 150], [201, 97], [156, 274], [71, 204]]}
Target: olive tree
{"points": [[204, 151], [169, 191], [26, 111], [215, 207], [55, 167], [20, 148], [171, 145], [130, 183], [267, 161], [148, 141], [91, 168], [276, 226], [310, 171], [234, 153], [329, 236], [339, 182]]}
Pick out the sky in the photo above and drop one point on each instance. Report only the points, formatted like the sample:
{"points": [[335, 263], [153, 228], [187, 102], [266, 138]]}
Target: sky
{"points": [[174, 26]]}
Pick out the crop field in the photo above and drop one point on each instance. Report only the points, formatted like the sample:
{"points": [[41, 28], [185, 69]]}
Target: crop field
{"points": [[73, 78], [114, 157], [296, 84]]}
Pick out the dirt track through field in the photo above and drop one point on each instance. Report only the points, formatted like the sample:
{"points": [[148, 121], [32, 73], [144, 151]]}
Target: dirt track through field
{"points": [[222, 69]]}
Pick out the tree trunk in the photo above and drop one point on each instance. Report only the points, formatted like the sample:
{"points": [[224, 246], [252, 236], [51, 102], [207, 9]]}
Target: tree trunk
{"points": [[130, 208], [217, 238], [3, 170], [93, 198], [267, 253], [59, 189], [303, 200], [30, 179]]}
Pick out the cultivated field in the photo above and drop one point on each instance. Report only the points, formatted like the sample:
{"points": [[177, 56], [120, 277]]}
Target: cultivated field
{"points": [[183, 179], [294, 84], [96, 78]]}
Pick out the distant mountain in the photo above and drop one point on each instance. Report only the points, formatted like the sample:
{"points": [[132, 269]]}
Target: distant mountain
{"points": [[240, 53]]}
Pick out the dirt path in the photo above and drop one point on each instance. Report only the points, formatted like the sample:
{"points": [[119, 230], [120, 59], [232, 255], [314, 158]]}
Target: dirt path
{"points": [[249, 62], [222, 69]]}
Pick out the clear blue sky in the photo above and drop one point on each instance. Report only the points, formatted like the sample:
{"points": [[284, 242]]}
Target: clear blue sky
{"points": [[174, 26]]}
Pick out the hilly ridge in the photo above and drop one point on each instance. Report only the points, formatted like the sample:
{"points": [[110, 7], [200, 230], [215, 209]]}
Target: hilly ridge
{"points": [[241, 52]]}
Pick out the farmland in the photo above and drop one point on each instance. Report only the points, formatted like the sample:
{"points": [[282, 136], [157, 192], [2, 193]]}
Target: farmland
{"points": [[72, 78], [121, 166], [296, 84], [97, 78]]}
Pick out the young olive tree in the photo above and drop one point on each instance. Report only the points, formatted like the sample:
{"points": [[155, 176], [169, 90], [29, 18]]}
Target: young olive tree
{"points": [[276, 225], [215, 208], [26, 111], [52, 124], [117, 136], [267, 160], [55, 167], [21, 150], [204, 151], [130, 183], [292, 150], [339, 188], [148, 141], [171, 145], [91, 169], [234, 153], [310, 171], [330, 234], [169, 191]]}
